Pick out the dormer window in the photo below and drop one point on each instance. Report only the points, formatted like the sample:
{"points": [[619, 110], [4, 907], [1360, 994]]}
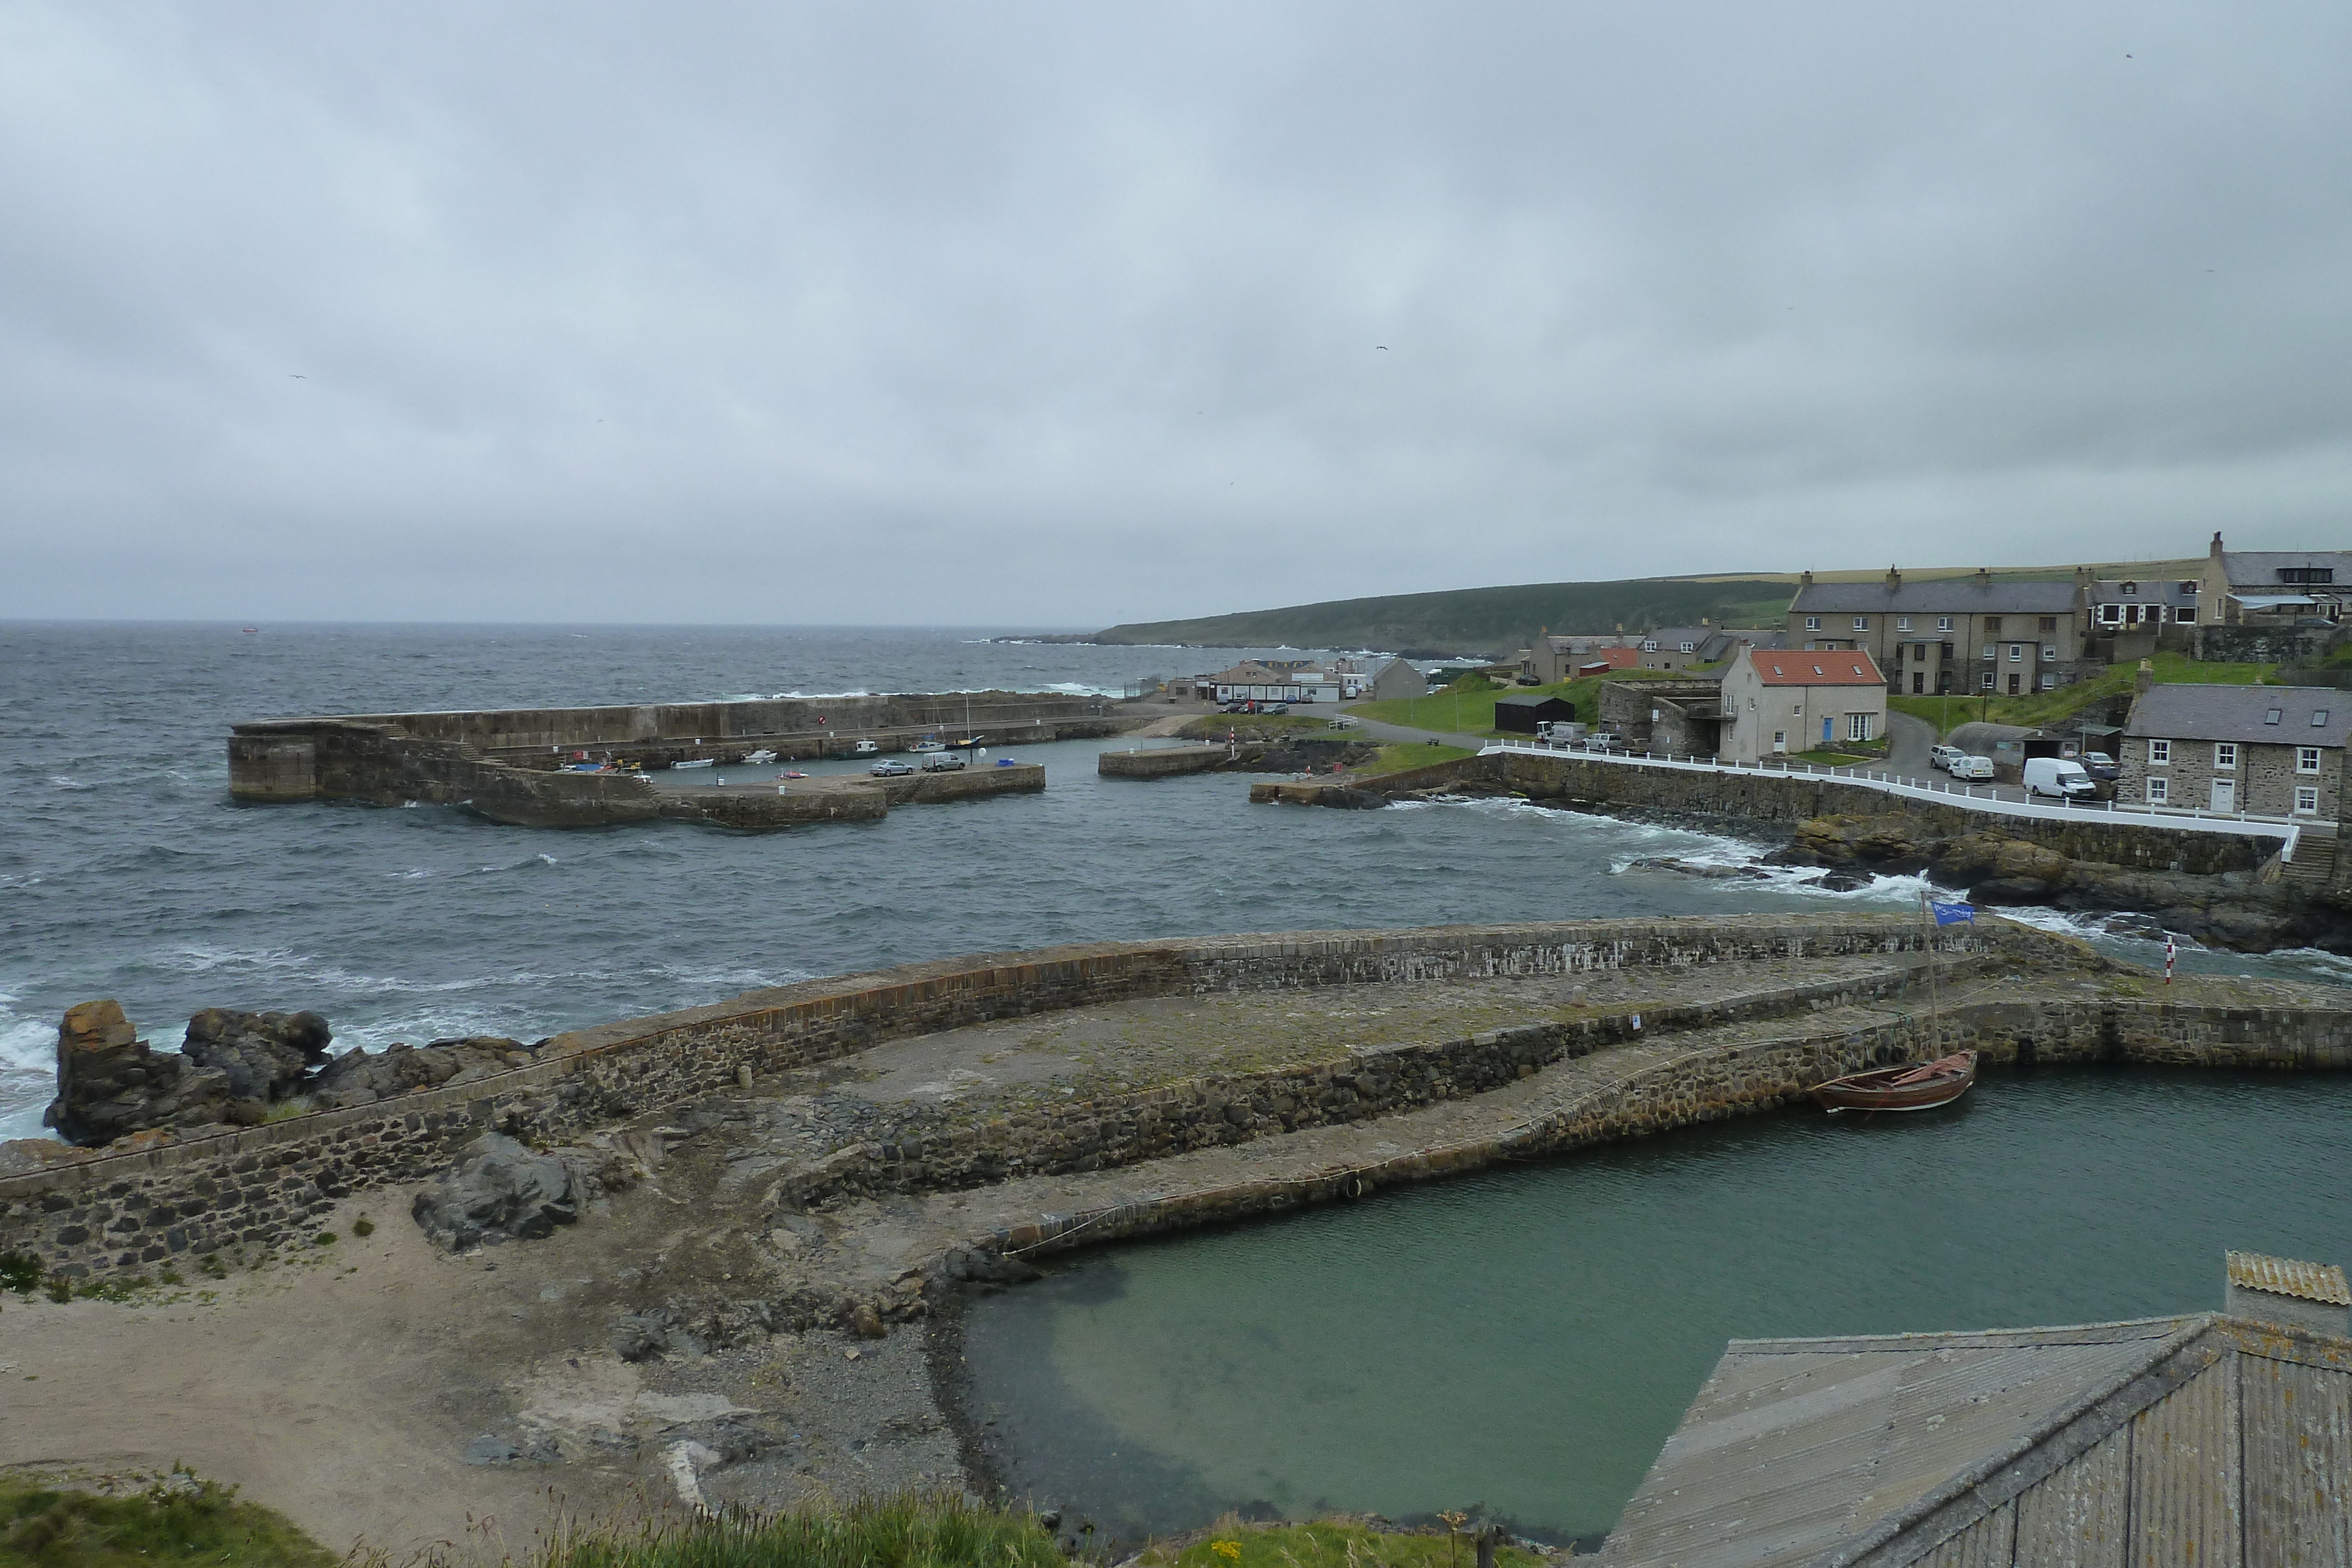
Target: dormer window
{"points": [[2131, 590], [1690, 647], [2307, 575]]}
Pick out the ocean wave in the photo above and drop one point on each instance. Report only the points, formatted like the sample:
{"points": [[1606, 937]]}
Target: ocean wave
{"points": [[813, 697], [527, 863], [58, 780], [9, 883]]}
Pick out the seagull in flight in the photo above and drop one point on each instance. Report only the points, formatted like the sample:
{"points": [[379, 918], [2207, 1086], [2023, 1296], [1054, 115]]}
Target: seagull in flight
{"points": [[293, 376]]}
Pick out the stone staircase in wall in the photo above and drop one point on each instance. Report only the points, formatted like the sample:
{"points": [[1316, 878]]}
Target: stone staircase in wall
{"points": [[2313, 866]]}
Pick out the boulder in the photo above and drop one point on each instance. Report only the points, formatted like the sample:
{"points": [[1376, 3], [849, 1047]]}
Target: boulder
{"points": [[110, 1083], [265, 1055], [355, 1078], [498, 1191]]}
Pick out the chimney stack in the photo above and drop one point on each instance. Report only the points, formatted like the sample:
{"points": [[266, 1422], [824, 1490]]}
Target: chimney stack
{"points": [[2282, 1290], [2214, 551], [1806, 580], [1893, 580], [1984, 576], [2144, 678]]}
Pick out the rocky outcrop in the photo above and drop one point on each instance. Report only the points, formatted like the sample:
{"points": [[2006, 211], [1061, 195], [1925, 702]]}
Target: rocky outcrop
{"points": [[2238, 910], [355, 1078], [265, 1055], [499, 1191], [110, 1083]]}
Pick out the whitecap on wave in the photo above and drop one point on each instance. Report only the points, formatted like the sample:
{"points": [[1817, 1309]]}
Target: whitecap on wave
{"points": [[58, 780], [28, 1064]]}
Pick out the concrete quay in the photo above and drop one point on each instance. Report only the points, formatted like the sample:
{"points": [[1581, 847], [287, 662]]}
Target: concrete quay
{"points": [[1163, 762]]}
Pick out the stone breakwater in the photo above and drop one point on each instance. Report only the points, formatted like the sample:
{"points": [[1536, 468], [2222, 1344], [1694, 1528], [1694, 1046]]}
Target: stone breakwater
{"points": [[1631, 1067], [381, 763], [104, 1212]]}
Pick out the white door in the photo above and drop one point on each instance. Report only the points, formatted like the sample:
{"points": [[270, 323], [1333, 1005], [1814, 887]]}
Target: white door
{"points": [[1780, 740], [2225, 794]]}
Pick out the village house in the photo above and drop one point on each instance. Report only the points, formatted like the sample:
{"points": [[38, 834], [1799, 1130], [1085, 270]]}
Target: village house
{"points": [[1957, 636], [1396, 680], [2239, 586], [1253, 681], [2275, 751], [1547, 660], [1776, 702], [1693, 647]]}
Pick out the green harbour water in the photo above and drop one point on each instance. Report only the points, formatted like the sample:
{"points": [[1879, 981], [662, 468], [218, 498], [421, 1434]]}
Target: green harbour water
{"points": [[1526, 1337]]}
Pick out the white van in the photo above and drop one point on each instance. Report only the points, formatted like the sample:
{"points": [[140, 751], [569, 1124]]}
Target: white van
{"points": [[1966, 767], [2060, 777], [1559, 729]]}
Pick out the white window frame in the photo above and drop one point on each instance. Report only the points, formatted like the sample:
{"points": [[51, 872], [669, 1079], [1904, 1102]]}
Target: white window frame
{"points": [[1857, 727], [2307, 799], [2159, 790], [1943, 623], [2050, 653], [2111, 614], [2049, 680], [1987, 682], [2225, 756], [2159, 754], [2017, 653], [1812, 622], [1861, 623], [2306, 760], [1902, 623]]}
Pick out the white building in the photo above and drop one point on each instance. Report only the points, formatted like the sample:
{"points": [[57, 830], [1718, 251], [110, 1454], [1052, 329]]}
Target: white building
{"points": [[1779, 702]]}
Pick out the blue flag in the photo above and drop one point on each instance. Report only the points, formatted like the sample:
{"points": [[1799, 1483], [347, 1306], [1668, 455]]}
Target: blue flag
{"points": [[1952, 913]]}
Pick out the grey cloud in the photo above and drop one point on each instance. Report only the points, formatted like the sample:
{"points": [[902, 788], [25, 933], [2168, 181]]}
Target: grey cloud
{"points": [[1070, 314]]}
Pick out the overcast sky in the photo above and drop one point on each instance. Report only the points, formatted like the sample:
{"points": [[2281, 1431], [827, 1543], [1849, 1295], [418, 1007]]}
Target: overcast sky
{"points": [[1068, 314]]}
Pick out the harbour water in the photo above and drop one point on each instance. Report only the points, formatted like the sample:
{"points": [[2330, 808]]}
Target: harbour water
{"points": [[1527, 1338], [126, 871]]}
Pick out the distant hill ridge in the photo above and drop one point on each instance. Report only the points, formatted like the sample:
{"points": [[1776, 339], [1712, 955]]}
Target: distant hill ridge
{"points": [[1498, 620]]}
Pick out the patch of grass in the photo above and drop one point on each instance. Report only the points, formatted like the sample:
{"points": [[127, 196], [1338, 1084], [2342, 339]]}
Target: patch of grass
{"points": [[1254, 725], [178, 1520], [20, 1273], [1326, 1544], [1401, 755], [363, 1227], [907, 1531], [2032, 709]]}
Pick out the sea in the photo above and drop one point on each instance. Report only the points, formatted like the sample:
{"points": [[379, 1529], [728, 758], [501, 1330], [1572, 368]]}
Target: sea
{"points": [[126, 871]]}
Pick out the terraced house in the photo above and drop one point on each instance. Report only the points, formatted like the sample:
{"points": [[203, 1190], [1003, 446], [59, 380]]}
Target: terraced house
{"points": [[2276, 751], [1958, 636]]}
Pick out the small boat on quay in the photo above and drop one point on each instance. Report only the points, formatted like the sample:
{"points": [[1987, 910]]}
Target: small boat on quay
{"points": [[865, 749], [695, 762], [1917, 1086], [760, 758], [929, 742]]}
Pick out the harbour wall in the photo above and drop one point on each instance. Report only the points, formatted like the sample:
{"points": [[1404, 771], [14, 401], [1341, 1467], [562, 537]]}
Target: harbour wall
{"points": [[1789, 798], [1161, 762], [382, 764], [119, 1212]]}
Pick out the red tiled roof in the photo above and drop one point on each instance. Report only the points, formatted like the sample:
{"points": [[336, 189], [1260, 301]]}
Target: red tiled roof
{"points": [[1823, 668]]}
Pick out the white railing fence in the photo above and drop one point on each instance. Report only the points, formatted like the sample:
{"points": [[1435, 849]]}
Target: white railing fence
{"points": [[1970, 797]]}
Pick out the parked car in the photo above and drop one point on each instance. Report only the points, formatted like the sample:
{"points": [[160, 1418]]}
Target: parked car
{"points": [[1966, 767], [1276, 707], [1943, 757], [2058, 778], [891, 767], [2099, 765], [1234, 708], [943, 762]]}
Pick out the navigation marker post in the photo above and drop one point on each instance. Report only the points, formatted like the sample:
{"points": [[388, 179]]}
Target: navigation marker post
{"points": [[2168, 951]]}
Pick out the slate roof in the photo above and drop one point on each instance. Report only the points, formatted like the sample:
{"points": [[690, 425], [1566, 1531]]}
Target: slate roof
{"points": [[2242, 714], [2170, 591], [1935, 596], [2200, 1440], [2257, 571]]}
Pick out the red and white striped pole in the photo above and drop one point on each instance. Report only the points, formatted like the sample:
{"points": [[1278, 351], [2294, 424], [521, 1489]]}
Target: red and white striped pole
{"points": [[2168, 951]]}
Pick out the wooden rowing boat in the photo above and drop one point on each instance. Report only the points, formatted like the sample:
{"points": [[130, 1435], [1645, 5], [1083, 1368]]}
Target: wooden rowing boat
{"points": [[1915, 1087]]}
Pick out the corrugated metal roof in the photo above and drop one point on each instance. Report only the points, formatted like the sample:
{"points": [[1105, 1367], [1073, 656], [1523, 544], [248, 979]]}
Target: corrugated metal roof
{"points": [[2201, 1441], [2290, 1277]]}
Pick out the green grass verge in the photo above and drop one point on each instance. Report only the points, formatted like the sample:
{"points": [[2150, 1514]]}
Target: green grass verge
{"points": [[1462, 710], [184, 1520], [1402, 755], [905, 1531], [1327, 1545], [2032, 709]]}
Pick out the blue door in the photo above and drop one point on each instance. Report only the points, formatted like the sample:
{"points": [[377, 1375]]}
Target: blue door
{"points": [[1825, 732]]}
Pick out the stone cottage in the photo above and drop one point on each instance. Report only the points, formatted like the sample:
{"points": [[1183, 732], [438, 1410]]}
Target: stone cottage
{"points": [[2276, 751]]}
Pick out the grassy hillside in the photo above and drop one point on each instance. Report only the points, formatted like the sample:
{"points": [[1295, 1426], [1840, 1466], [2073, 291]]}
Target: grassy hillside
{"points": [[1494, 621], [2031, 709], [1497, 621]]}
